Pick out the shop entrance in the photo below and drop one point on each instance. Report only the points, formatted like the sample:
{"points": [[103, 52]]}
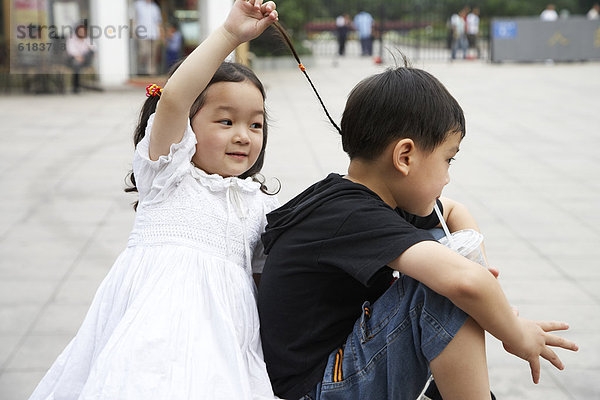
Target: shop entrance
{"points": [[180, 34]]}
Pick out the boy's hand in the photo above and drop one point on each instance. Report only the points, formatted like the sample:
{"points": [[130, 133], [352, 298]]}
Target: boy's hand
{"points": [[536, 342], [494, 271], [248, 19]]}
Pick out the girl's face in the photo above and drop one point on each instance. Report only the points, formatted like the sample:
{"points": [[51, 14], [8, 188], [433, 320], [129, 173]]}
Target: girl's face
{"points": [[429, 175], [229, 128]]}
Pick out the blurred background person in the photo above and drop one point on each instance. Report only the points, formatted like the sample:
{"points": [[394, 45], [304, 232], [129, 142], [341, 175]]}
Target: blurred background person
{"points": [[343, 26], [148, 26], [473, 29], [549, 13], [594, 12], [80, 52], [459, 33], [173, 44], [363, 23]]}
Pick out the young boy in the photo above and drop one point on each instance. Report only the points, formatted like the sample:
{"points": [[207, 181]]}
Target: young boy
{"points": [[334, 324]]}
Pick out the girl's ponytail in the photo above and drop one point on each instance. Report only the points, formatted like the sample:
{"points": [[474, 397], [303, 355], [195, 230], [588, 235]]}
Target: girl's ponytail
{"points": [[148, 109], [288, 41]]}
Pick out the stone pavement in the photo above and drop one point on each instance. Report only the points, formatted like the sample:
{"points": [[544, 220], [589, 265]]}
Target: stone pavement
{"points": [[528, 169]]}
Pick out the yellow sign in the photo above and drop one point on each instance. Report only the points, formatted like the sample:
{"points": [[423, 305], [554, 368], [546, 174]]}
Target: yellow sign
{"points": [[558, 38]]}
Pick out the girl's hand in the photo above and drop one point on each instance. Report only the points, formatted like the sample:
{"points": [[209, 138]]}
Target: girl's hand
{"points": [[248, 19], [536, 341]]}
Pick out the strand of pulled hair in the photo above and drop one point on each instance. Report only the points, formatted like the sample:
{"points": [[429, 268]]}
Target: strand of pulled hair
{"points": [[288, 41]]}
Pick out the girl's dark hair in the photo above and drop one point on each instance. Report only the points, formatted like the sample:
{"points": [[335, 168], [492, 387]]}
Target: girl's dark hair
{"points": [[402, 102], [227, 72]]}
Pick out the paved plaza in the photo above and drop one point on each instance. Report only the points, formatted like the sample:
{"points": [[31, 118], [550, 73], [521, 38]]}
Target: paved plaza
{"points": [[528, 169]]}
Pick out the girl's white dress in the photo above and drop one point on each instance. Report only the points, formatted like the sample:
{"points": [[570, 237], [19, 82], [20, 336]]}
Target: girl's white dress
{"points": [[176, 317]]}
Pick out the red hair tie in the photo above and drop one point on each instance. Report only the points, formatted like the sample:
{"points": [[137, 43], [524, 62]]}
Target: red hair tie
{"points": [[153, 90], [302, 68]]}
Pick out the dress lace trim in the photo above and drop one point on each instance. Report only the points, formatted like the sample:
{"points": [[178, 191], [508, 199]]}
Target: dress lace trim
{"points": [[217, 183]]}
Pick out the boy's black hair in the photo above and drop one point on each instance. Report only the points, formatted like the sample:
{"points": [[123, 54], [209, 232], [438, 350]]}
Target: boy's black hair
{"points": [[402, 102], [227, 72]]}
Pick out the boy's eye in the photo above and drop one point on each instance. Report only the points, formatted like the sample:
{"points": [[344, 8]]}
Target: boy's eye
{"points": [[256, 125], [225, 122]]}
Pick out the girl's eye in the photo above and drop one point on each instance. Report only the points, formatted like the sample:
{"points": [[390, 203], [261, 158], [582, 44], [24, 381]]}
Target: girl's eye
{"points": [[225, 122], [256, 125], [450, 160]]}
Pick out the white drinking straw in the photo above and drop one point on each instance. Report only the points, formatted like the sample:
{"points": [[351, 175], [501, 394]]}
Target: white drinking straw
{"points": [[444, 226]]}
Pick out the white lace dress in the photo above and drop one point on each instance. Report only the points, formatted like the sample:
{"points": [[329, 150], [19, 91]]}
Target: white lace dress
{"points": [[176, 316]]}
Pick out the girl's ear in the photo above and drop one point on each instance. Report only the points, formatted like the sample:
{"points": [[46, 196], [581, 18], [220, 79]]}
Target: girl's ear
{"points": [[402, 155]]}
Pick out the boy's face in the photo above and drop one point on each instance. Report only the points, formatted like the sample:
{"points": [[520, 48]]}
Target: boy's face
{"points": [[429, 174]]}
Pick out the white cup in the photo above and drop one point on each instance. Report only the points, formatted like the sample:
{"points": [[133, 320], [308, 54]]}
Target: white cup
{"points": [[467, 243]]}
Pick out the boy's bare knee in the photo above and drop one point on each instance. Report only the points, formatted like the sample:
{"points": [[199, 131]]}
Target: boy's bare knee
{"points": [[460, 370]]}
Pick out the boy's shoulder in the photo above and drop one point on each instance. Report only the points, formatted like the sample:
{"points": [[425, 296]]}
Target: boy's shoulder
{"points": [[327, 203], [337, 194]]}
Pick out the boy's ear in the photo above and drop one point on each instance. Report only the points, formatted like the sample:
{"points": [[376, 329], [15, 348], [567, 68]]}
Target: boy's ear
{"points": [[402, 155]]}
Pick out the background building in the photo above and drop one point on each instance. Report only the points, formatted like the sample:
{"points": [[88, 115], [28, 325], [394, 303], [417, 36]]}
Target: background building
{"points": [[34, 33]]}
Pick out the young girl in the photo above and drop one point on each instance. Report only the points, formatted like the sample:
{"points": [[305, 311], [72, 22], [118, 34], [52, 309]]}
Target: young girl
{"points": [[176, 316]]}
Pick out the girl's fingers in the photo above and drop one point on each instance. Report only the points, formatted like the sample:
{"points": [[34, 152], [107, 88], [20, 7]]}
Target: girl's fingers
{"points": [[254, 4], [267, 8], [268, 20], [248, 5]]}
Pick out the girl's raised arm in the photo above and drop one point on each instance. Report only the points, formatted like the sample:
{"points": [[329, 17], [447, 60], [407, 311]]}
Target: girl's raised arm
{"points": [[246, 21]]}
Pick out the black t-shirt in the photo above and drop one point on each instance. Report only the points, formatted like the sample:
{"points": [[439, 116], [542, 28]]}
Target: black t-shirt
{"points": [[327, 254]]}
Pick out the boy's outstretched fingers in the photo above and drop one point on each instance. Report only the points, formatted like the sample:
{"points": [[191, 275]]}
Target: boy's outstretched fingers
{"points": [[551, 356], [549, 326], [494, 271], [557, 341], [534, 365]]}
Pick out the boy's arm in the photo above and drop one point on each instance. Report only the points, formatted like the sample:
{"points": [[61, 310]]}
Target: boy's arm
{"points": [[458, 217], [246, 20], [478, 293]]}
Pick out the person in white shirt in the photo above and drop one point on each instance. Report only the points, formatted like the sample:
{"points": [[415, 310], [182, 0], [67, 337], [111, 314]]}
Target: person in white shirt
{"points": [[80, 51], [473, 29], [459, 34], [343, 25], [148, 28], [594, 12], [549, 14]]}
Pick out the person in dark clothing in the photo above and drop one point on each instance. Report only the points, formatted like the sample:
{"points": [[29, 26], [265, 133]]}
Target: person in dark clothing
{"points": [[343, 26], [335, 323]]}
